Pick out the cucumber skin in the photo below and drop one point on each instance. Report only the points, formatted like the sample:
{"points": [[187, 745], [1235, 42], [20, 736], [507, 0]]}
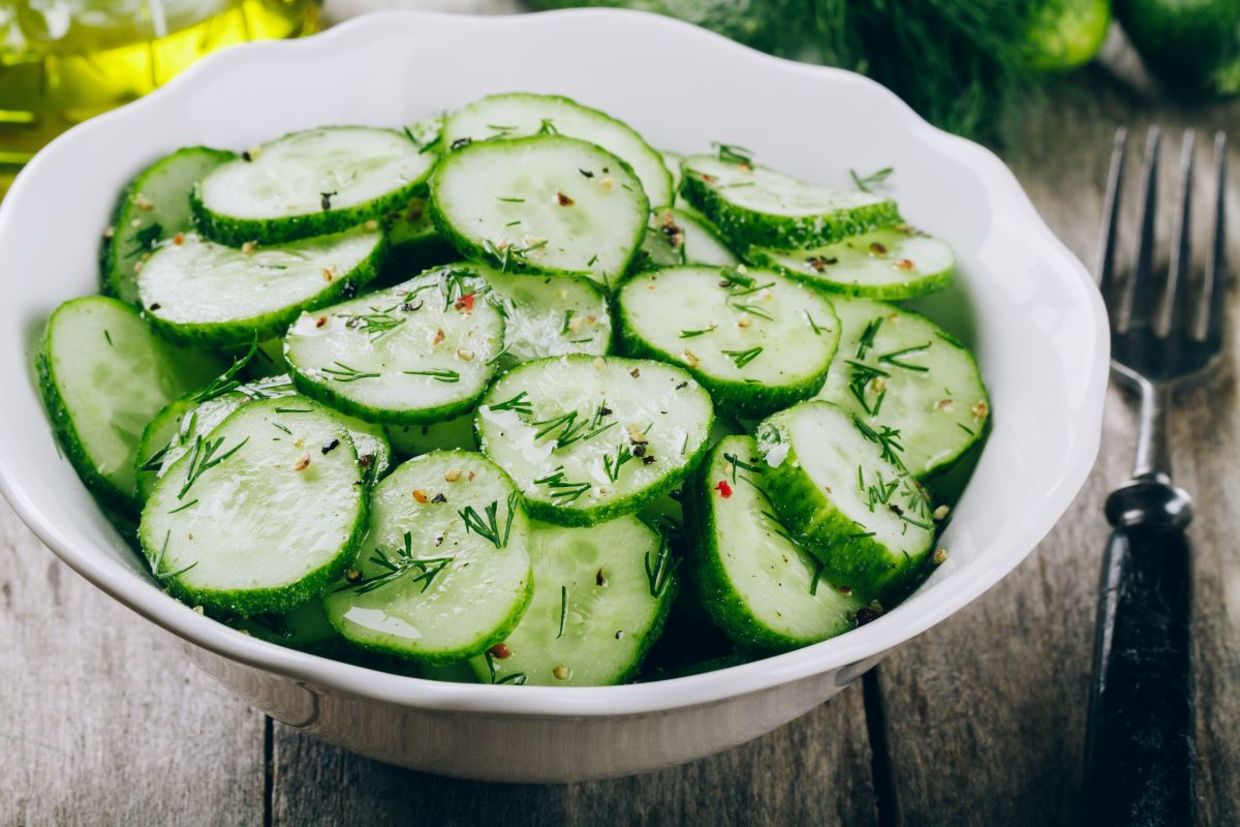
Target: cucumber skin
{"points": [[113, 284], [271, 325], [585, 517], [468, 249], [933, 283], [712, 586], [738, 399], [745, 228], [859, 563], [244, 602], [237, 231]]}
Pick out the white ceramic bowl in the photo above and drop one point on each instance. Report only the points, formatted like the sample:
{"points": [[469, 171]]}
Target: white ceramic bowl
{"points": [[1024, 302]]}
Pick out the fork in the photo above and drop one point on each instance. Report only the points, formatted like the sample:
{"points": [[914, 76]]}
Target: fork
{"points": [[1139, 751]]}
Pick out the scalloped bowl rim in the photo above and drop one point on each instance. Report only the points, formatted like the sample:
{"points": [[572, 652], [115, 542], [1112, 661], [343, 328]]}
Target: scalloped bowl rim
{"points": [[949, 594]]}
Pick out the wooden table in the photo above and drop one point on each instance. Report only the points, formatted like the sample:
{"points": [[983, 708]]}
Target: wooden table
{"points": [[979, 721]]}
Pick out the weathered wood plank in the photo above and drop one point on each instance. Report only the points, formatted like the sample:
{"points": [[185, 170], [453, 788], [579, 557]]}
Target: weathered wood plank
{"points": [[813, 771], [102, 719], [987, 711]]}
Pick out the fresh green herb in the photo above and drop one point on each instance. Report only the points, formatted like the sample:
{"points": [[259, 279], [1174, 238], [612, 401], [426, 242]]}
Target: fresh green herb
{"points": [[733, 154], [813, 324], [519, 403], [204, 457], [489, 528], [511, 199], [887, 438], [280, 409], [859, 378], [753, 310], [736, 462], [743, 357], [107, 336], [517, 678], [282, 428], [159, 561], [563, 611], [424, 570], [867, 336], [592, 260], [547, 127], [864, 182], [613, 464], [571, 428], [189, 504], [376, 323], [568, 318], [227, 381], [448, 376], [343, 373], [145, 239], [562, 490], [155, 461], [966, 429], [813, 584], [689, 334], [659, 571], [894, 358]]}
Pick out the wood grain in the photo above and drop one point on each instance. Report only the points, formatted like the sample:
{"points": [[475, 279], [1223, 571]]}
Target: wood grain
{"points": [[986, 711], [813, 771], [102, 720]]}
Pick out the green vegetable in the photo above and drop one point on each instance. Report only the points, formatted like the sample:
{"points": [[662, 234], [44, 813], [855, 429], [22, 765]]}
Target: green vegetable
{"points": [[1192, 45]]}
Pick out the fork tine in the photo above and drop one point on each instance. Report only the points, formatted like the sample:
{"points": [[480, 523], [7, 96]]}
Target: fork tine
{"points": [[1172, 295], [1105, 268], [1140, 277], [1208, 326]]}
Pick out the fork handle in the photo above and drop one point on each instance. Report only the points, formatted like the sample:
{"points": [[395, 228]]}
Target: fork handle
{"points": [[1139, 755]]}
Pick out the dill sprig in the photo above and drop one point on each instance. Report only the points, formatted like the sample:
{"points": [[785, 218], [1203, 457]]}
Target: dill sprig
{"points": [[563, 611], [343, 373], [448, 376], [573, 429], [613, 464], [895, 358], [488, 528], [743, 357], [519, 404], [227, 381], [376, 323], [203, 458], [866, 341], [564, 491], [659, 571], [864, 182], [860, 377], [425, 569], [733, 154], [516, 678], [736, 462], [159, 561]]}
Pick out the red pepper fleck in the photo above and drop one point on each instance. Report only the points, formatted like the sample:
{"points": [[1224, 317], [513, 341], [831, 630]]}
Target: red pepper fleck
{"points": [[724, 489], [465, 302], [500, 650]]}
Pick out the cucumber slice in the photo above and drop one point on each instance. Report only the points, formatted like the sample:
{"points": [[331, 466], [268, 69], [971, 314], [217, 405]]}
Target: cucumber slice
{"points": [[840, 488], [760, 587], [261, 514], [895, 262], [305, 628], [756, 340], [202, 292], [672, 160], [154, 208], [601, 596], [546, 204], [754, 205], [104, 375], [415, 243], [153, 445], [676, 238], [268, 360], [591, 438], [415, 440], [198, 414], [422, 351], [519, 114], [445, 570], [899, 370], [311, 183], [548, 315]]}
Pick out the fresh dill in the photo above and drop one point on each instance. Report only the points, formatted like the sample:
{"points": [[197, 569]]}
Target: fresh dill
{"points": [[343, 373], [813, 324], [613, 464], [489, 528], [733, 154], [396, 567], [690, 334], [227, 381], [158, 562], [736, 462], [813, 583], [562, 490], [107, 335], [895, 358], [743, 357], [519, 404], [864, 182], [563, 611], [867, 336], [659, 571], [447, 376], [516, 678], [204, 457]]}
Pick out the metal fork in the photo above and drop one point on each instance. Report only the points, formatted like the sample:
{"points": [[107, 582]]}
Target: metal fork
{"points": [[1139, 753]]}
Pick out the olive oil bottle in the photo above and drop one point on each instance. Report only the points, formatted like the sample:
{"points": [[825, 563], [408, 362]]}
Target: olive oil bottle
{"points": [[62, 61]]}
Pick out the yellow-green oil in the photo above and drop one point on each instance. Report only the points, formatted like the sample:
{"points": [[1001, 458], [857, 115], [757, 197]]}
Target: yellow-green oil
{"points": [[62, 61]]}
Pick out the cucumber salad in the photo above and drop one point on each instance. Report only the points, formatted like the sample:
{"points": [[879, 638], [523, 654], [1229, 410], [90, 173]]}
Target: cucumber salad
{"points": [[511, 396]]}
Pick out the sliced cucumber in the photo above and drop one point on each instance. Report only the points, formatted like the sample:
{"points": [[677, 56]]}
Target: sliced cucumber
{"points": [[154, 208], [415, 243], [676, 238], [899, 370], [519, 114], [261, 514], [545, 204], [894, 262], [601, 596], [761, 588], [753, 205], [839, 487], [445, 570], [196, 415], [268, 360], [591, 438], [202, 292], [311, 183], [419, 352], [415, 440], [104, 375], [153, 446], [756, 340], [548, 315]]}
